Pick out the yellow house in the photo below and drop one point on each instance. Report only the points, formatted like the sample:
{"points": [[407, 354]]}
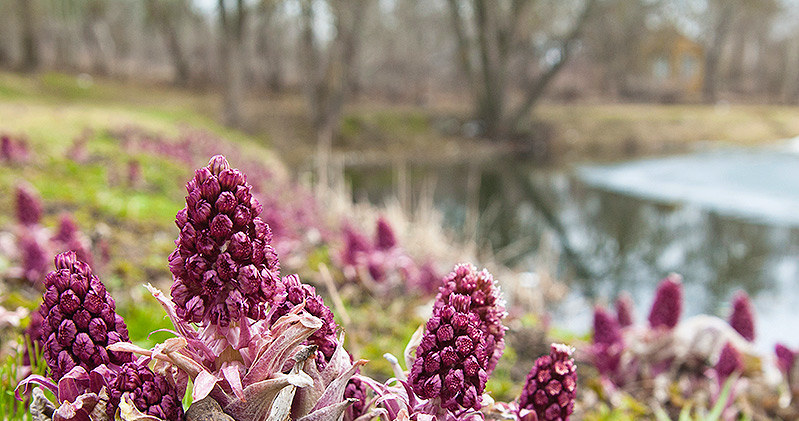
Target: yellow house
{"points": [[671, 59]]}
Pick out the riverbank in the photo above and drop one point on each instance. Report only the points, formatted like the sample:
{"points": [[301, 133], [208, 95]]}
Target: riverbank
{"points": [[376, 132]]}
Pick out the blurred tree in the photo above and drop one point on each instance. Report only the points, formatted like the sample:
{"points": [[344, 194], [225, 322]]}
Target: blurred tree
{"points": [[30, 44], [167, 16], [232, 22], [268, 42], [97, 35], [328, 63], [719, 17], [614, 41], [486, 57]]}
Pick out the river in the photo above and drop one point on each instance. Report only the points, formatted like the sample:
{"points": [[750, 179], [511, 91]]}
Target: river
{"points": [[725, 219]]}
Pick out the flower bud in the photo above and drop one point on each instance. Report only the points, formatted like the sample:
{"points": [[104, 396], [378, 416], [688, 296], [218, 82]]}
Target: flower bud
{"points": [[29, 206], [75, 331], [551, 386], [462, 341], [220, 234], [742, 318], [667, 307]]}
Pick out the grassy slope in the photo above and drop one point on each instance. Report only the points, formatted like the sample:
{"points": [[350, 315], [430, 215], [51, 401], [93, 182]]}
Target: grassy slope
{"points": [[53, 110]]}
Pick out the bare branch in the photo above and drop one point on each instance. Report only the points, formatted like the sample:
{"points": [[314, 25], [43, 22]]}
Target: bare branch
{"points": [[538, 87]]}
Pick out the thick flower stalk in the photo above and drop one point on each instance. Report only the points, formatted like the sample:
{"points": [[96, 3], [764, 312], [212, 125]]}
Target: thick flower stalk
{"points": [[79, 319], [551, 386], [224, 265], [28, 206], [742, 318], [667, 307], [462, 342]]}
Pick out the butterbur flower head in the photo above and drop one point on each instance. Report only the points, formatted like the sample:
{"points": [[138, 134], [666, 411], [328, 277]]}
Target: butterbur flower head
{"points": [[462, 341], [356, 390], [551, 386], [6, 148], [625, 309], [729, 362], [80, 319], [294, 293], [67, 229], [224, 266], [385, 238], [354, 244], [34, 257], [28, 206], [742, 318], [606, 328], [151, 393], [785, 358], [667, 307]]}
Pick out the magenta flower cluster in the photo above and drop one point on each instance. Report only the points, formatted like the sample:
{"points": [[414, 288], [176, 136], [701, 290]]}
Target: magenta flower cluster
{"points": [[79, 319], [28, 206], [12, 150], [551, 386], [77, 322], [742, 318], [462, 342], [667, 307], [224, 265], [295, 293], [151, 393]]}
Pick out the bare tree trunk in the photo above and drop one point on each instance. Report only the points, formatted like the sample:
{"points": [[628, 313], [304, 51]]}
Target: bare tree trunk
{"points": [[713, 54], [231, 56], [536, 89], [496, 38], [492, 98], [175, 48], [30, 46], [269, 47]]}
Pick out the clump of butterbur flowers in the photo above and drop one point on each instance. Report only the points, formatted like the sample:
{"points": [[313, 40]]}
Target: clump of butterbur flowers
{"points": [[261, 346]]}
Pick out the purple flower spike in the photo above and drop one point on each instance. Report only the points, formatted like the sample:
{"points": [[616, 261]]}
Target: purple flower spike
{"points": [[606, 328], [667, 307], [224, 266], [355, 244], [786, 358], [295, 293], [385, 237], [67, 229], [34, 257], [29, 206], [551, 386], [151, 393], [625, 309], [462, 342], [742, 318], [79, 319], [729, 362]]}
